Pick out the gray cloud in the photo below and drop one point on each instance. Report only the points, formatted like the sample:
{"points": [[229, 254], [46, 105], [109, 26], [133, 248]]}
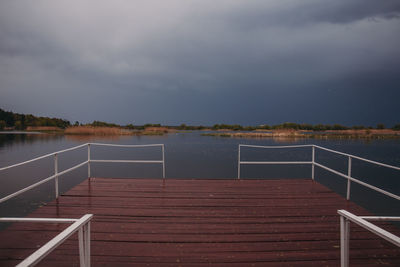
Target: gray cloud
{"points": [[300, 13], [218, 61]]}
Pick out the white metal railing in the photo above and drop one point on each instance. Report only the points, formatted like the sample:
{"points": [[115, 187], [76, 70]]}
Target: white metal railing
{"points": [[268, 162], [313, 163], [88, 161], [82, 226], [162, 161], [347, 217]]}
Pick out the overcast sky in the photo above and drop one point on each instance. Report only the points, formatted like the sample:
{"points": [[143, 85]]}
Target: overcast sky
{"points": [[202, 62]]}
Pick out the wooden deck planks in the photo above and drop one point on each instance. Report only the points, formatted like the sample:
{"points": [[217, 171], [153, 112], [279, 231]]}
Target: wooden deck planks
{"points": [[178, 222]]}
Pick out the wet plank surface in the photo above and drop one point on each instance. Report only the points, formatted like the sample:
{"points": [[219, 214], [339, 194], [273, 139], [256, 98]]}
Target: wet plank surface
{"points": [[148, 222]]}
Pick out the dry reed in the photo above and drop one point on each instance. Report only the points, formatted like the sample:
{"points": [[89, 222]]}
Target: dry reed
{"points": [[43, 128], [103, 131]]}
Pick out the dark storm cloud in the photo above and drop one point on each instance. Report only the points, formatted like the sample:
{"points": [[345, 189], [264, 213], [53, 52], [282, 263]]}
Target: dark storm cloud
{"points": [[300, 13], [202, 62]]}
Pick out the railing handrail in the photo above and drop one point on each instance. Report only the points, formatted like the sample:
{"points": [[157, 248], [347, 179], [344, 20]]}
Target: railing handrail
{"points": [[122, 145], [347, 217], [41, 182], [359, 158], [329, 150], [38, 220], [314, 163], [88, 161], [82, 225], [292, 146], [363, 222], [358, 181], [73, 148], [42, 157]]}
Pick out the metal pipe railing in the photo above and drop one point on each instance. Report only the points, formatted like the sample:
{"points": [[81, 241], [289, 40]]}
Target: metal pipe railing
{"points": [[162, 161], [347, 217], [240, 162], [89, 159], [57, 174], [41, 182], [82, 226], [313, 163], [359, 158], [42, 157]]}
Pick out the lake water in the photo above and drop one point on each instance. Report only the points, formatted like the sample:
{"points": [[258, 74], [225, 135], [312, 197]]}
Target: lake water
{"points": [[190, 155]]}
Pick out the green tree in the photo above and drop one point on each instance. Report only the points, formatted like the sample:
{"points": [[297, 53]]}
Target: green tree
{"points": [[358, 127], [103, 124], [320, 127], [396, 127], [339, 127], [306, 126], [380, 126], [264, 127], [18, 125], [130, 126]]}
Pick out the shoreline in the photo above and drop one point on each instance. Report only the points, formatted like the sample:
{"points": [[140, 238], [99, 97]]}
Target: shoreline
{"points": [[302, 134], [92, 131], [159, 131]]}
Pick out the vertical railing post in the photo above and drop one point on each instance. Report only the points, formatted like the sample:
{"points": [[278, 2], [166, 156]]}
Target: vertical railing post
{"points": [[163, 161], [238, 176], [88, 160], [313, 162], [56, 173], [348, 178], [84, 245], [81, 238], [87, 244], [344, 241]]}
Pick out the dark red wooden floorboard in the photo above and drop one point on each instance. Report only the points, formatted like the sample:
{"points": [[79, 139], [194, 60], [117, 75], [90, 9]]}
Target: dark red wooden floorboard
{"points": [[178, 222]]}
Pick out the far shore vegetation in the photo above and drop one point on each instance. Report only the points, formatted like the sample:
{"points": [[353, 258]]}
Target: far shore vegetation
{"points": [[319, 131], [10, 121]]}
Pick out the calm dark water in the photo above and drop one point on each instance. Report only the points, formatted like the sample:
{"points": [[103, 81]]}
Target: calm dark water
{"points": [[190, 155]]}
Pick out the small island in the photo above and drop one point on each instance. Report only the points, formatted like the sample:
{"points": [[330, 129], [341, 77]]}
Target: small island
{"points": [[297, 131]]}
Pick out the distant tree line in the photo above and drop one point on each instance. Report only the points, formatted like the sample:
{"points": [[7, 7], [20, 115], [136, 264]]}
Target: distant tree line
{"points": [[302, 126], [103, 124], [286, 125], [18, 121], [185, 127], [21, 121]]}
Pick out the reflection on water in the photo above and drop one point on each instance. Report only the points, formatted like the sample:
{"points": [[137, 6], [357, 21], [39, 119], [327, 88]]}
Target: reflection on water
{"points": [[275, 139], [26, 138], [286, 139], [190, 155], [92, 138]]}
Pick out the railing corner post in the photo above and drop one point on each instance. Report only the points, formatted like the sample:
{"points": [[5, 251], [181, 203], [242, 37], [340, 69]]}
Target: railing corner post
{"points": [[89, 160], [348, 178], [163, 160], [56, 174], [81, 242], [87, 244], [313, 163], [238, 176], [344, 241]]}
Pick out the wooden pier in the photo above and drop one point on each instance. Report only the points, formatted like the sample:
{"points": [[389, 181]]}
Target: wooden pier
{"points": [[178, 222]]}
